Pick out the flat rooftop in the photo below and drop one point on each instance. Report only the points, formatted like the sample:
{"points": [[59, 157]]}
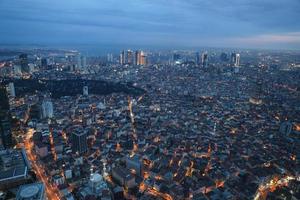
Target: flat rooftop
{"points": [[13, 164]]}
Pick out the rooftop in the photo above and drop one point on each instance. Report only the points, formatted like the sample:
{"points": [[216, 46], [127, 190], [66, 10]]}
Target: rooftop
{"points": [[33, 191], [13, 164]]}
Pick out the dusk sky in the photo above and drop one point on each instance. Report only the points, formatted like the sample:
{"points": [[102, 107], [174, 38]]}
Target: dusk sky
{"points": [[171, 23]]}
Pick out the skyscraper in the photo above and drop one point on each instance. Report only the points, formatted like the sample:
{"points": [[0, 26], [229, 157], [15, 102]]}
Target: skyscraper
{"points": [[237, 60], [5, 120], [44, 63], [129, 57], [78, 62], [110, 58], [122, 58], [204, 59], [23, 59], [137, 57], [83, 62], [79, 142], [197, 60], [140, 58], [143, 59]]}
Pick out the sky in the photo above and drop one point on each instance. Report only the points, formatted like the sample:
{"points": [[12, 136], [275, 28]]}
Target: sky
{"points": [[269, 24]]}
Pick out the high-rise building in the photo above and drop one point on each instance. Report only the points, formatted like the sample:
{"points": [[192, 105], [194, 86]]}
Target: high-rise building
{"points": [[23, 59], [204, 59], [47, 109], [5, 120], [137, 57], [130, 58], [44, 63], [79, 142], [237, 60], [11, 89], [110, 58], [122, 58], [83, 62], [78, 62], [140, 58], [143, 60], [197, 60], [233, 58]]}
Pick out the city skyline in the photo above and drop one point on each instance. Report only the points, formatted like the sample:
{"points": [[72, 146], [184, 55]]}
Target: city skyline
{"points": [[149, 100], [163, 24]]}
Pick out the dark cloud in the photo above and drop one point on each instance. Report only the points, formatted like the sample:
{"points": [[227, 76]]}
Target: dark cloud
{"points": [[150, 22]]}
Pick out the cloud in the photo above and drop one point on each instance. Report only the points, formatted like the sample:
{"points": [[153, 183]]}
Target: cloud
{"points": [[293, 37], [189, 22]]}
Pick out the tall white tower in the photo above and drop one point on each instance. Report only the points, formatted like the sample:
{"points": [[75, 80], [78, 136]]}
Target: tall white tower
{"points": [[237, 60]]}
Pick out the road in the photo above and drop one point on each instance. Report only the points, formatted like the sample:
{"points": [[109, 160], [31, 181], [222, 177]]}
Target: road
{"points": [[51, 192]]}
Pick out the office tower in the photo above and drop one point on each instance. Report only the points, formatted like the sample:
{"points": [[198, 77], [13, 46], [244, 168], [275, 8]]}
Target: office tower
{"points": [[130, 58], [83, 62], [44, 63], [34, 191], [23, 59], [137, 57], [110, 58], [237, 60], [5, 119], [85, 90], [197, 60], [78, 66], [11, 89], [233, 58], [143, 58], [204, 59], [140, 58], [47, 109], [122, 58], [79, 142]]}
